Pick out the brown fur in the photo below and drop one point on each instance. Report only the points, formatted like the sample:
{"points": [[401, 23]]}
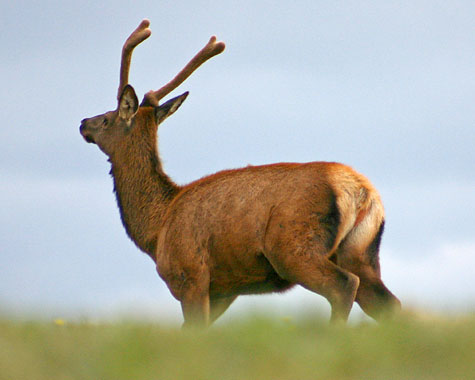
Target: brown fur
{"points": [[253, 230]]}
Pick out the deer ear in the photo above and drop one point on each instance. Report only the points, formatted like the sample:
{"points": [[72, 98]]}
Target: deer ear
{"points": [[169, 107], [128, 103]]}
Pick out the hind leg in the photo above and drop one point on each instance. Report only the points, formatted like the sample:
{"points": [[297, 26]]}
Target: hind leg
{"points": [[373, 296], [337, 285], [297, 245], [376, 300], [323, 277], [310, 268]]}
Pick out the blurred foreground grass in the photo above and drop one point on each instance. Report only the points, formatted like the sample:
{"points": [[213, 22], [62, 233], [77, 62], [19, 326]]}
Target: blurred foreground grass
{"points": [[255, 348]]}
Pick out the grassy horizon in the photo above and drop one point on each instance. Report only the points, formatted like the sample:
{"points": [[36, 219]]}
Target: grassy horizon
{"points": [[258, 347]]}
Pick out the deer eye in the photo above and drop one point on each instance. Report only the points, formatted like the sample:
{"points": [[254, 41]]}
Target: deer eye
{"points": [[105, 122]]}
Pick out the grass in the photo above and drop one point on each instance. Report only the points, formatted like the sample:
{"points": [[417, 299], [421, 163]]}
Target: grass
{"points": [[255, 348]]}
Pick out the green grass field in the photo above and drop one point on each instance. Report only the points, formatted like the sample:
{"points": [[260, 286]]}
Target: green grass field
{"points": [[254, 348]]}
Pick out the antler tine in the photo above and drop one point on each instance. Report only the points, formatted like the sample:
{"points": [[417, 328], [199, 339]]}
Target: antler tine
{"points": [[138, 35], [211, 49]]}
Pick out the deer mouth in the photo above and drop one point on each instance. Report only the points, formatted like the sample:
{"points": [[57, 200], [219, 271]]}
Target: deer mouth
{"points": [[85, 135], [89, 139]]}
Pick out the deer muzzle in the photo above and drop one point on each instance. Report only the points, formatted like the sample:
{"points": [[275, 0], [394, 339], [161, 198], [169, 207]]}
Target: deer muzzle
{"points": [[85, 134]]}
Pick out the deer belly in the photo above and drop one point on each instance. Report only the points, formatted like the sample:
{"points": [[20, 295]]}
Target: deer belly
{"points": [[244, 275]]}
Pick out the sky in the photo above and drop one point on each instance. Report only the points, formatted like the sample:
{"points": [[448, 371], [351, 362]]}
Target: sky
{"points": [[385, 87]]}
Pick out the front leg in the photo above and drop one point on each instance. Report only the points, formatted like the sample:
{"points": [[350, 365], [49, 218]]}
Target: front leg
{"points": [[195, 300], [187, 278], [196, 309]]}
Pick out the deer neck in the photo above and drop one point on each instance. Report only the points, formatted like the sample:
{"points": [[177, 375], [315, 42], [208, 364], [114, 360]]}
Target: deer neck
{"points": [[143, 193]]}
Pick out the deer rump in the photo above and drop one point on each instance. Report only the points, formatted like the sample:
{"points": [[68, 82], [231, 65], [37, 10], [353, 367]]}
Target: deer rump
{"points": [[253, 230]]}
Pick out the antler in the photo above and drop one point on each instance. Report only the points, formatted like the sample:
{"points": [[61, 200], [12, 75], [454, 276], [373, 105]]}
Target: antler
{"points": [[138, 35], [211, 49]]}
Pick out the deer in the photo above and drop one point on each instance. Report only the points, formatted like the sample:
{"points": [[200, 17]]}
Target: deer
{"points": [[253, 230]]}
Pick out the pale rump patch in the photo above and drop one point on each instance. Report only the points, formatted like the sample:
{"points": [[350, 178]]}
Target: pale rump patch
{"points": [[360, 208], [360, 216], [364, 230]]}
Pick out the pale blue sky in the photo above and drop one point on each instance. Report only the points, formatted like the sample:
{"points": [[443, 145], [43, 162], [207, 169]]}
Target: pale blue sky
{"points": [[386, 87]]}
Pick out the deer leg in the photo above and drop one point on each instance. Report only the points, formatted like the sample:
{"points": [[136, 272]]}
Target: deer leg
{"points": [[342, 294], [376, 300], [194, 298], [196, 309], [318, 274], [337, 285], [373, 296], [298, 249], [218, 306]]}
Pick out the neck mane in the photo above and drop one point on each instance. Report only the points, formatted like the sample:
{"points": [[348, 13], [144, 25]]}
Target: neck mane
{"points": [[143, 190]]}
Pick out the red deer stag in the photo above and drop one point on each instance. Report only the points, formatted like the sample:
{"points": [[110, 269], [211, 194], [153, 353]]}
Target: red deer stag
{"points": [[253, 230]]}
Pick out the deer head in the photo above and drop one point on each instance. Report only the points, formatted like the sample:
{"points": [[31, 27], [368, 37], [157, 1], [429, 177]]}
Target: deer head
{"points": [[111, 130]]}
